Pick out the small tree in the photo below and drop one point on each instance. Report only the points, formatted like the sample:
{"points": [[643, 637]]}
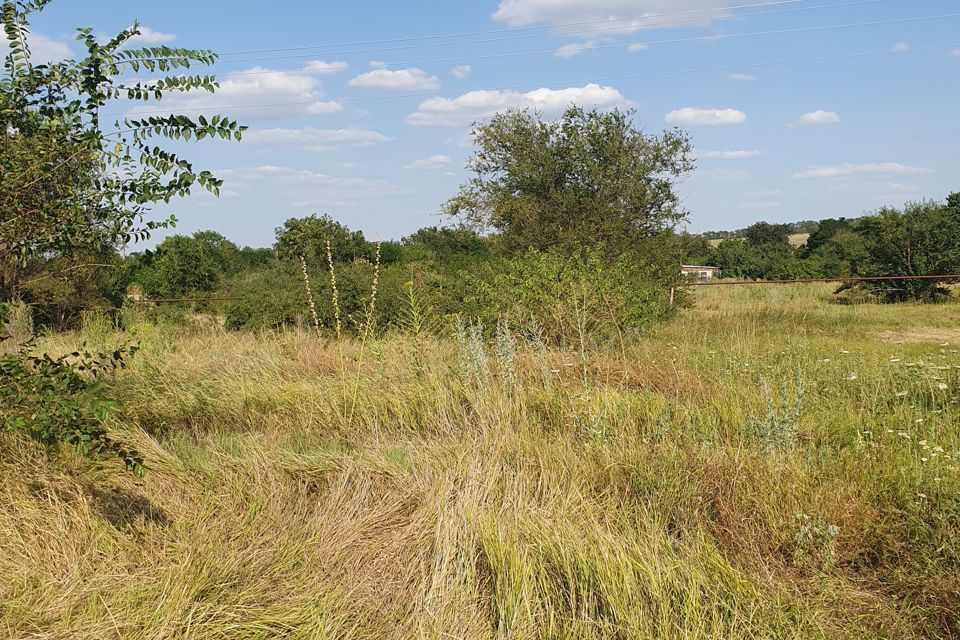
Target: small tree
{"points": [[308, 237], [761, 233], [589, 178], [923, 239]]}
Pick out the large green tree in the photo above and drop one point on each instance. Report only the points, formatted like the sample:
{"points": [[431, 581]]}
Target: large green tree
{"points": [[591, 177]]}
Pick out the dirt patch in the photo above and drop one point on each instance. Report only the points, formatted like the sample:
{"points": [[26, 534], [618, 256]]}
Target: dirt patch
{"points": [[919, 334]]}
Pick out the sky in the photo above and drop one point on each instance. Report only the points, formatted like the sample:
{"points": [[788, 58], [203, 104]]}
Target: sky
{"points": [[797, 109]]}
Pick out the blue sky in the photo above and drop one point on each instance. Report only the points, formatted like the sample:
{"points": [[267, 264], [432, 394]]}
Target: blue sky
{"points": [[353, 112]]}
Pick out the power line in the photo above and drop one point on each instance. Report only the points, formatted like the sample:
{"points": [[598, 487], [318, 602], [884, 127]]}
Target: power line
{"points": [[754, 65], [510, 54], [373, 65], [521, 29]]}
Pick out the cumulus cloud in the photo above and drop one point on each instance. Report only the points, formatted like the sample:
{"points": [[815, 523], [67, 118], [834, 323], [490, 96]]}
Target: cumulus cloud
{"points": [[149, 36], [900, 47], [573, 49], [742, 77], [476, 105], [630, 15], [324, 68], [637, 47], [847, 169], [433, 162], [399, 80], [816, 118], [43, 50], [261, 93], [316, 139], [729, 155], [461, 71], [691, 116]]}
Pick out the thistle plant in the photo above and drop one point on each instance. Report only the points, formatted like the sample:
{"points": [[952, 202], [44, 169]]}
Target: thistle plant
{"points": [[472, 359], [533, 334], [779, 428]]}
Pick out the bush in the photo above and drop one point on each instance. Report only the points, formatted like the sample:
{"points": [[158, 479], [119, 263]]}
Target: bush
{"points": [[573, 298], [63, 400], [276, 297]]}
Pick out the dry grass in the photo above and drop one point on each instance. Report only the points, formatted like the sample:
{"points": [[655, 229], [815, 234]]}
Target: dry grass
{"points": [[634, 504]]}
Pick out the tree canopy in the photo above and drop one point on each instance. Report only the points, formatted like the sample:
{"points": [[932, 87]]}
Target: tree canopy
{"points": [[591, 177]]}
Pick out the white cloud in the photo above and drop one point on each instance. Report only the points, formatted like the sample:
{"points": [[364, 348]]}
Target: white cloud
{"points": [[955, 53], [323, 68], [43, 50], [729, 155], [316, 139], [433, 162], [723, 174], [149, 36], [847, 169], [742, 77], [691, 116], [304, 187], [573, 49], [637, 47], [900, 47], [816, 118], [632, 15], [257, 90], [399, 80], [476, 105], [461, 71]]}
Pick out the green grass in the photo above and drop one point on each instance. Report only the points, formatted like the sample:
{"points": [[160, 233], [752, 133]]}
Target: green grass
{"points": [[627, 498]]}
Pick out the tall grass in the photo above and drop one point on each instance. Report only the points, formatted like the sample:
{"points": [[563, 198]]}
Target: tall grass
{"points": [[638, 503]]}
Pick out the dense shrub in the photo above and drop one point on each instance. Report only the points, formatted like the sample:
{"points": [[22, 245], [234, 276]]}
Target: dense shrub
{"points": [[571, 297], [275, 297], [60, 400]]}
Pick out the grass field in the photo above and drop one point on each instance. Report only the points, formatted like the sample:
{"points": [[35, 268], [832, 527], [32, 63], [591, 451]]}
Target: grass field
{"points": [[796, 240], [768, 465]]}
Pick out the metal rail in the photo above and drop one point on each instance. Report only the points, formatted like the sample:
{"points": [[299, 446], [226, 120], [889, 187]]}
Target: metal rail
{"points": [[733, 283]]}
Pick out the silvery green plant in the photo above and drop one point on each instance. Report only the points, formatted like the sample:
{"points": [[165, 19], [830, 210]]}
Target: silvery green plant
{"points": [[472, 359], [814, 537], [779, 428], [533, 334], [505, 348]]}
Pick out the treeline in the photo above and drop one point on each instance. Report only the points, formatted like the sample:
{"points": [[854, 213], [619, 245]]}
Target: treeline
{"points": [[421, 280], [793, 228], [923, 238]]}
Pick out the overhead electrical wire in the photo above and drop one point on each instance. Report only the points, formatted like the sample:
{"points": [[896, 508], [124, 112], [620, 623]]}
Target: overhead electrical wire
{"points": [[377, 51], [594, 31], [522, 29], [731, 36]]}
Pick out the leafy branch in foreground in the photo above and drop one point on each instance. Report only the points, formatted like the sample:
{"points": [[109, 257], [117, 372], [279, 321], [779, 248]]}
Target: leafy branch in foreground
{"points": [[63, 399], [69, 184], [66, 180]]}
